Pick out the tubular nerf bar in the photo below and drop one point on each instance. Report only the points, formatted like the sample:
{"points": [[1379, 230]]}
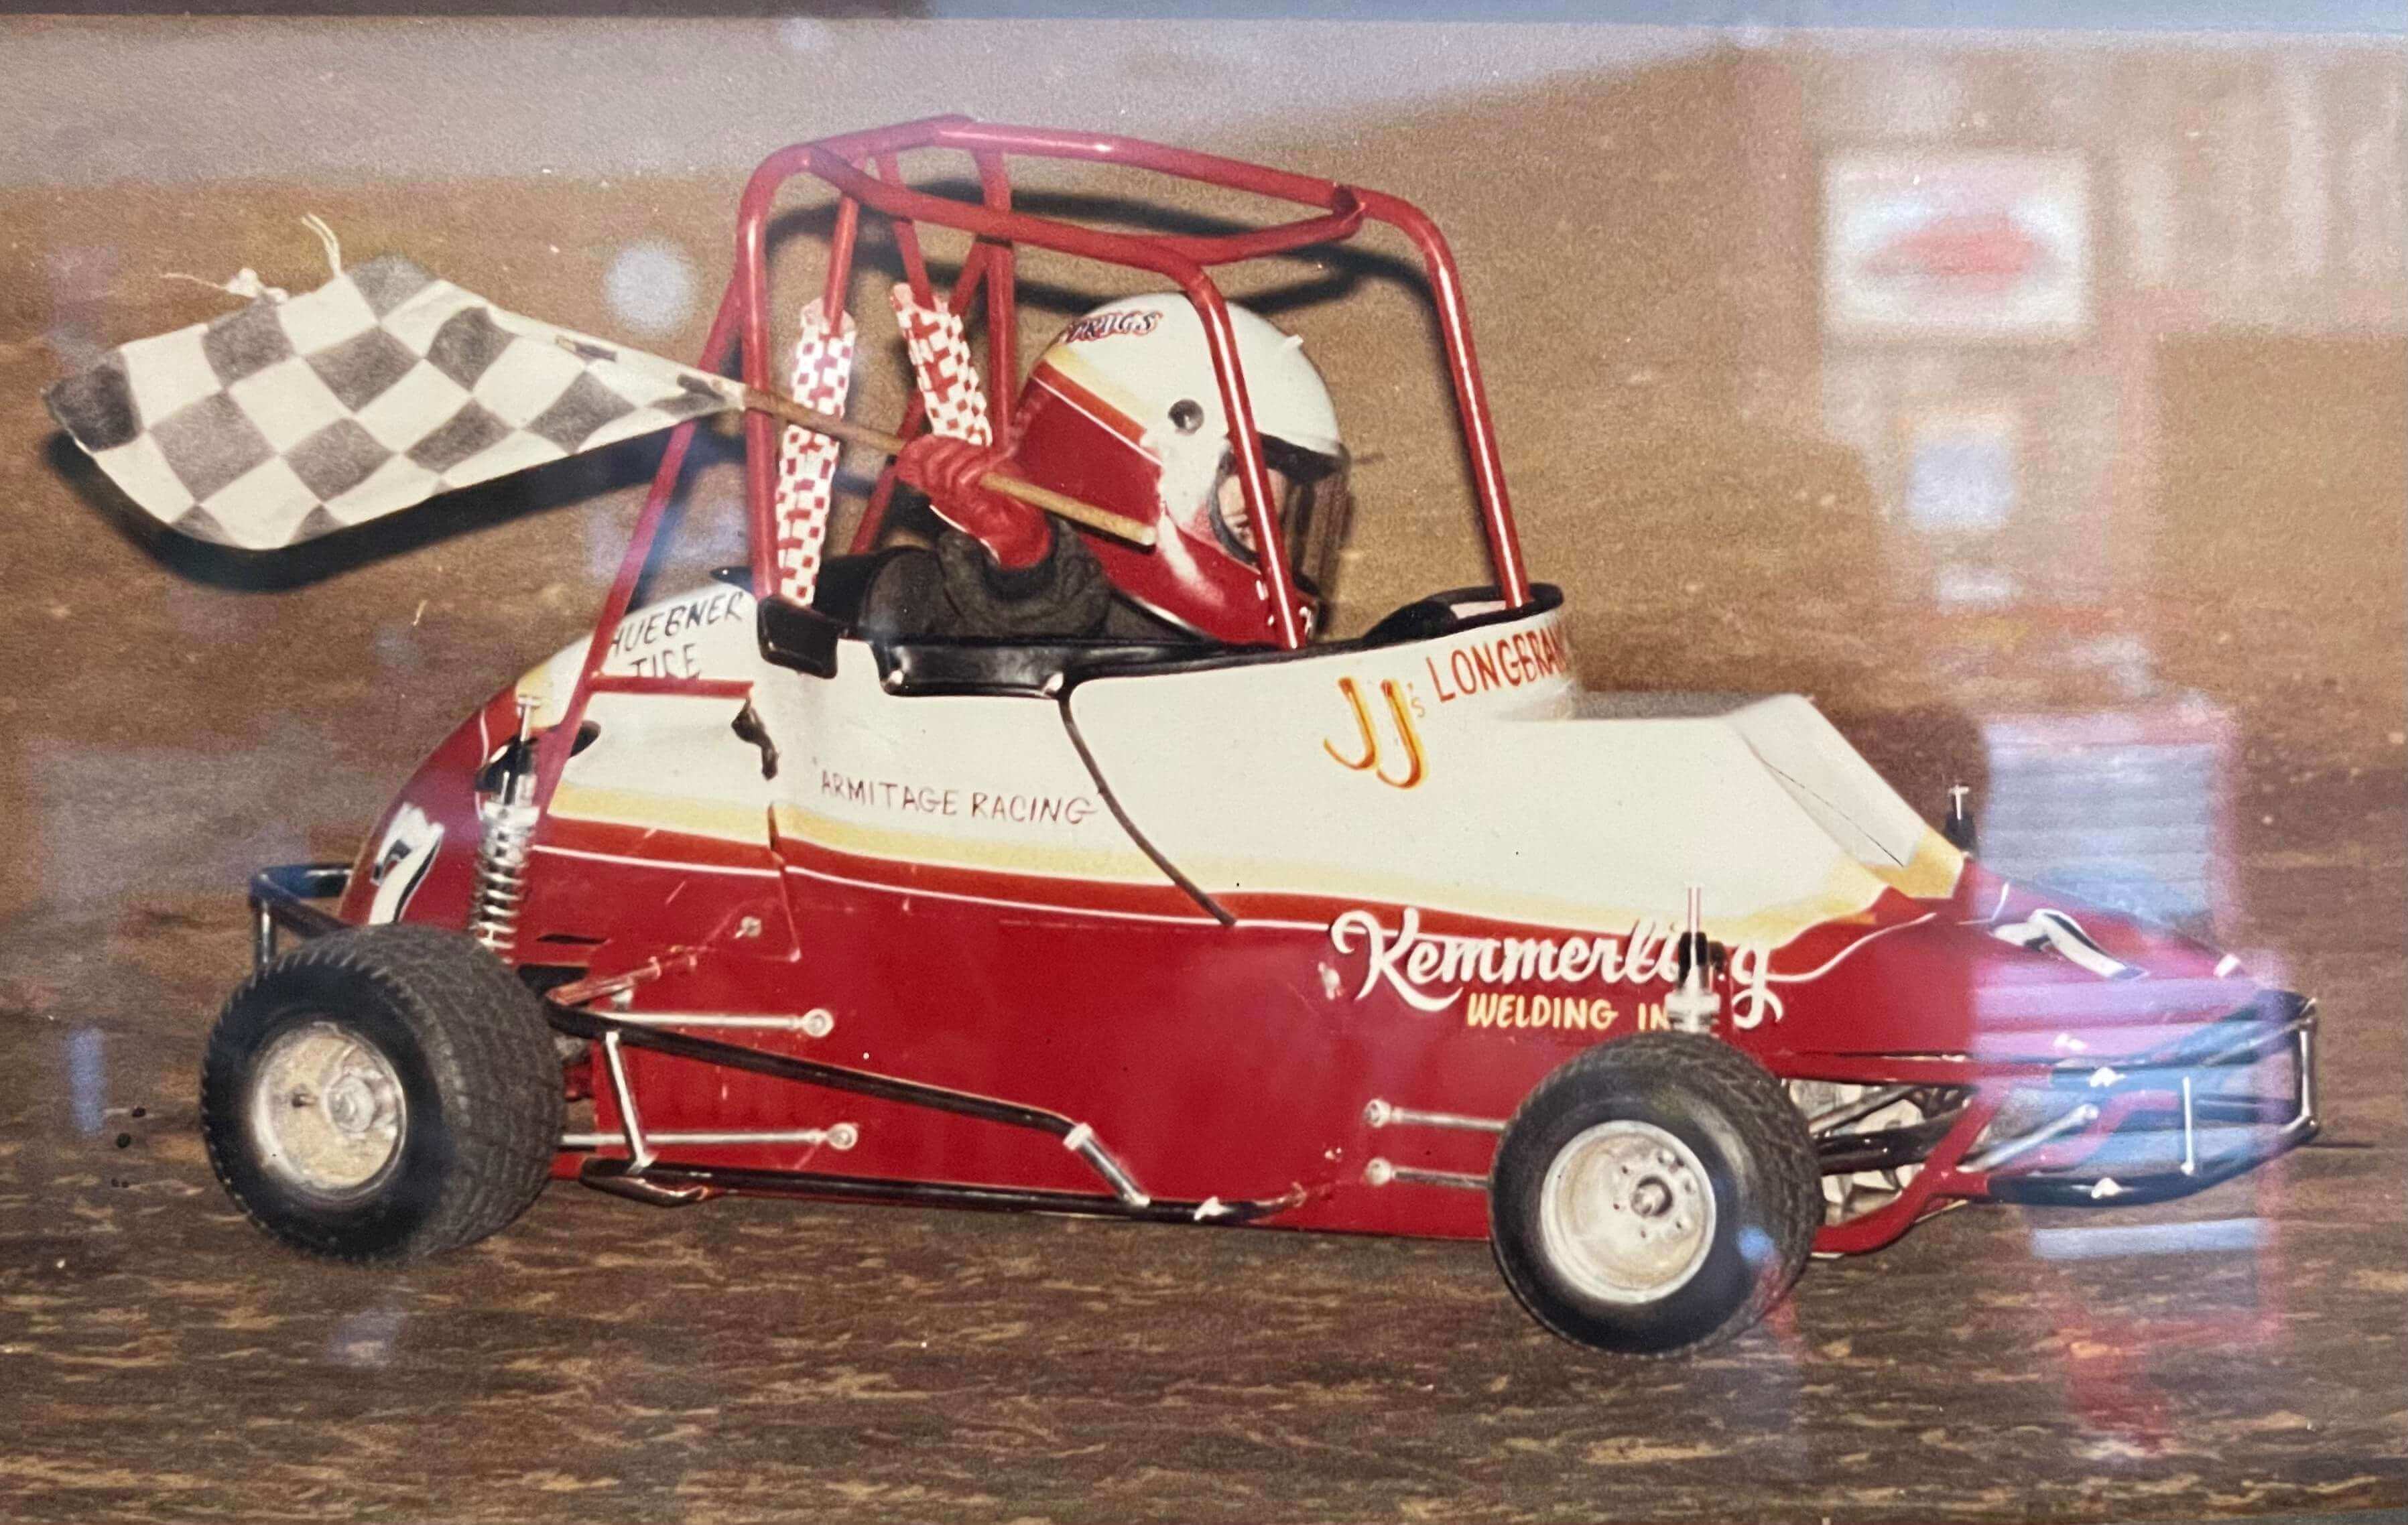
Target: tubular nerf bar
{"points": [[616, 1036], [283, 897]]}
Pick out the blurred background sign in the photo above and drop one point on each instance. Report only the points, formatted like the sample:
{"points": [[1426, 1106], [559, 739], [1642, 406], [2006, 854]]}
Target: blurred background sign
{"points": [[1984, 246], [1961, 468]]}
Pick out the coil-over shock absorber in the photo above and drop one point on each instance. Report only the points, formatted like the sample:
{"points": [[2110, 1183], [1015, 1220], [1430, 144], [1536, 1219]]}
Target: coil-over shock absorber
{"points": [[508, 816], [1693, 1003]]}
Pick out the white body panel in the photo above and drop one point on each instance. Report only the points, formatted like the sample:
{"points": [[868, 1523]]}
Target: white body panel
{"points": [[955, 782], [962, 782], [1530, 801], [1466, 774], [666, 762]]}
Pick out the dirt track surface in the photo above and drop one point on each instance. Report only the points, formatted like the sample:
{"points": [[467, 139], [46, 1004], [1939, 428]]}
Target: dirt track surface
{"points": [[170, 720]]}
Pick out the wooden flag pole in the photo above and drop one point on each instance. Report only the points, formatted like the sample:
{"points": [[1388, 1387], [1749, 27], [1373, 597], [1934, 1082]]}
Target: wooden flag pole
{"points": [[1119, 526]]}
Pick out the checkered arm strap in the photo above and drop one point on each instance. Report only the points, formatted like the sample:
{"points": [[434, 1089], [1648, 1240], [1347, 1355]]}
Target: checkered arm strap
{"points": [[807, 460], [940, 357]]}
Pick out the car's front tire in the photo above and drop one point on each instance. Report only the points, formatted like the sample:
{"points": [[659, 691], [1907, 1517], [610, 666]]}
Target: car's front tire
{"points": [[382, 1093], [1655, 1195]]}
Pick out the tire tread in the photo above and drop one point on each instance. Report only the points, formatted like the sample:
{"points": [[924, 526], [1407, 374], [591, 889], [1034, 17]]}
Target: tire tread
{"points": [[481, 1032], [1759, 1107]]}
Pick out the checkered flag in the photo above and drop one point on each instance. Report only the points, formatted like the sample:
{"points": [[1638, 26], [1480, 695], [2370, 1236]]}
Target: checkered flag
{"points": [[291, 419]]}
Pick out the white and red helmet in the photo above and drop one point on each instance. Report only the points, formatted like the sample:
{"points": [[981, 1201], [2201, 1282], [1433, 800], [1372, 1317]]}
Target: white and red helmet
{"points": [[1125, 411]]}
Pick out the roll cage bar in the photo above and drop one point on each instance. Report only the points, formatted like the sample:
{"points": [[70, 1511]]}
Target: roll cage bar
{"points": [[863, 168]]}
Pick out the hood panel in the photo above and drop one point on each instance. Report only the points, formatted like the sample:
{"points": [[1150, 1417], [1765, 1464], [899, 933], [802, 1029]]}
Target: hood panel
{"points": [[1467, 775], [1949, 986]]}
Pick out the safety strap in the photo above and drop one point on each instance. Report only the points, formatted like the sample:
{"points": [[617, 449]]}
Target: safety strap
{"points": [[940, 358], [807, 460]]}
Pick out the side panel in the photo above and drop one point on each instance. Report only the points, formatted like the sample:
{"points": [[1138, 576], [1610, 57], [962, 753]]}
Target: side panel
{"points": [[988, 784], [970, 914], [1211, 1060], [418, 863], [1455, 776], [946, 884], [658, 835]]}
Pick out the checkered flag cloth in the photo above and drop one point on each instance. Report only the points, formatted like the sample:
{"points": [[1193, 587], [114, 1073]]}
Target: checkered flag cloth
{"points": [[940, 358], [291, 419], [807, 459]]}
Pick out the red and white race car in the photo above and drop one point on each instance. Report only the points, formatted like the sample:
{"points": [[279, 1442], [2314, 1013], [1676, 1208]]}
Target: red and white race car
{"points": [[767, 889]]}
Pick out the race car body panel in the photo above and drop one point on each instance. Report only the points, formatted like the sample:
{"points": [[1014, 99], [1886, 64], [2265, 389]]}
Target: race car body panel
{"points": [[1468, 775], [1223, 911]]}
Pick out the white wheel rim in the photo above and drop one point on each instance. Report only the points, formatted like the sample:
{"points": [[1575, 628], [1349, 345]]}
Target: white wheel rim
{"points": [[327, 1112], [1626, 1213]]}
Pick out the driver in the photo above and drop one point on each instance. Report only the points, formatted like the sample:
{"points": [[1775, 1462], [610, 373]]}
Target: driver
{"points": [[1124, 410]]}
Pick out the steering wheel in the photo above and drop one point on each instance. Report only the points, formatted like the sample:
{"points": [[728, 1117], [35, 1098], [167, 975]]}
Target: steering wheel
{"points": [[1423, 619]]}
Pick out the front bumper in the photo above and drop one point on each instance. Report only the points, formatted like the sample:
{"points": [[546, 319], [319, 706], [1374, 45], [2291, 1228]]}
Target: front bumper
{"points": [[2219, 1101], [2222, 1101]]}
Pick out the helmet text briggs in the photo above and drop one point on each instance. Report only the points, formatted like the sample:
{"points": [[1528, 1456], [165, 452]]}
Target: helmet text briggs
{"points": [[1104, 325]]}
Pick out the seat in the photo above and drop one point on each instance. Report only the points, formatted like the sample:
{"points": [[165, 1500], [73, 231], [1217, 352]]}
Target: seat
{"points": [[804, 638], [967, 664]]}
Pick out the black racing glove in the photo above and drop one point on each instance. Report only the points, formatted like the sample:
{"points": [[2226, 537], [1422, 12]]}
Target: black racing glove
{"points": [[1063, 593]]}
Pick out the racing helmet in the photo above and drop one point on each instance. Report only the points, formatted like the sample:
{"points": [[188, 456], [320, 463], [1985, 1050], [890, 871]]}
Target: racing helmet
{"points": [[1124, 410]]}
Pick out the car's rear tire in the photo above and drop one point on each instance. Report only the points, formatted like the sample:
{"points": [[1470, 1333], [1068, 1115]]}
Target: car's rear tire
{"points": [[382, 1093], [1655, 1195]]}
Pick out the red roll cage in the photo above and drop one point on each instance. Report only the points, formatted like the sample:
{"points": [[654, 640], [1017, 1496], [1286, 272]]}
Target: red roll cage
{"points": [[863, 168]]}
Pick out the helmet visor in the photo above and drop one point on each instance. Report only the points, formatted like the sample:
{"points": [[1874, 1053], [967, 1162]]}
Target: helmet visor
{"points": [[1309, 494]]}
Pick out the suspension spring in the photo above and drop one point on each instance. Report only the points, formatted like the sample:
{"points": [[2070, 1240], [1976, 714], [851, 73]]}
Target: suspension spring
{"points": [[502, 873]]}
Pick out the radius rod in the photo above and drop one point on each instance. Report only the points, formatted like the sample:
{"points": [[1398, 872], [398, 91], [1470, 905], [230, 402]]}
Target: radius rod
{"points": [[1077, 1137]]}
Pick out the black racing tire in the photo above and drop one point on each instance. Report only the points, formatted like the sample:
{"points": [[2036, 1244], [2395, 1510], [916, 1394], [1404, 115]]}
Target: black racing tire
{"points": [[1734, 1135], [435, 1043]]}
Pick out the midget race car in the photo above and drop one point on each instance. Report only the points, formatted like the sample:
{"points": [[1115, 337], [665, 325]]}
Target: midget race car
{"points": [[1228, 924]]}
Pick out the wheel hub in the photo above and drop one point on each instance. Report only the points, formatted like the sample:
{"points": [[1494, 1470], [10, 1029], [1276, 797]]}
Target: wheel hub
{"points": [[327, 1111], [1626, 1211], [1652, 1197]]}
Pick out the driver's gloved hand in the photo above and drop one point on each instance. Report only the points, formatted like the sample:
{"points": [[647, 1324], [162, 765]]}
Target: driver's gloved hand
{"points": [[1016, 534], [1062, 593]]}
